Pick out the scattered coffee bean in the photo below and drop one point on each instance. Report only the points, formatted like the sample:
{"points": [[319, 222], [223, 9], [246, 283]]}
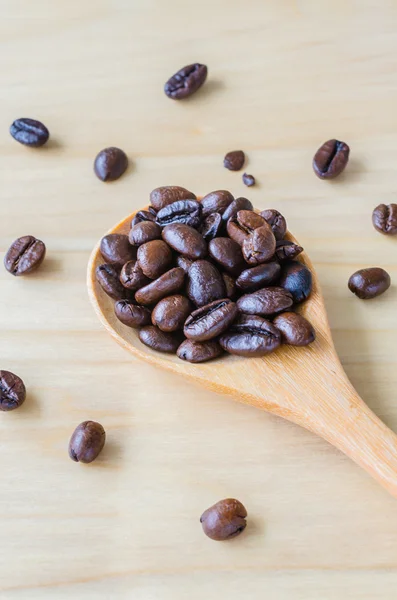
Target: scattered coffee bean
{"points": [[286, 250], [108, 277], [384, 218], [185, 240], [12, 391], [258, 277], [29, 132], [248, 180], [251, 336], [187, 212], [228, 254], [110, 164], [369, 283], [211, 226], [297, 279], [171, 313], [132, 277], [209, 321], [163, 196], [331, 159], [224, 520], [234, 160], [154, 258], [235, 206], [142, 216], [266, 301], [87, 442], [216, 202], [144, 232], [230, 286], [260, 245], [159, 340], [132, 315], [295, 329], [184, 263], [116, 249], [205, 283], [276, 222], [169, 283], [186, 81], [24, 255], [198, 352], [243, 224]]}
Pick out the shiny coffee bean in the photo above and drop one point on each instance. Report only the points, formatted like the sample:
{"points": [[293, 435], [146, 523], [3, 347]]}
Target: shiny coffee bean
{"points": [[331, 159], [260, 245], [186, 81], [384, 218], [230, 286], [198, 352], [24, 255], [12, 391], [87, 442], [144, 232], [248, 180], [259, 277], [228, 254], [168, 194], [184, 263], [171, 313], [132, 315], [154, 258], [185, 240], [216, 202], [224, 520], [159, 340], [108, 277], [234, 160], [142, 216], [110, 164], [211, 226], [297, 279], [265, 302], [132, 277], [209, 321], [166, 285], [243, 224], [29, 132], [286, 250], [234, 207], [249, 336], [369, 283], [116, 249], [276, 221], [205, 283], [187, 212], [295, 329]]}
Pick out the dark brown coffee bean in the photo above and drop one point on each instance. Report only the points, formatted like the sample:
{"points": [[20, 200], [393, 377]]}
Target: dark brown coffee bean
{"points": [[369, 283], [243, 224], [184, 263], [29, 132], [216, 202], [295, 329], [198, 352], [132, 277], [234, 207], [249, 336], [228, 254], [211, 226], [108, 277], [24, 255], [168, 194], [224, 520], [142, 216], [154, 258], [331, 159], [297, 279], [185, 240], [230, 286], [186, 81], [260, 245], [131, 315], [234, 160], [166, 285], [276, 221], [384, 218], [87, 442], [171, 313], [187, 212], [116, 249], [205, 283], [144, 232], [286, 250], [248, 180], [259, 277], [265, 302], [110, 164], [159, 340], [209, 321], [12, 391]]}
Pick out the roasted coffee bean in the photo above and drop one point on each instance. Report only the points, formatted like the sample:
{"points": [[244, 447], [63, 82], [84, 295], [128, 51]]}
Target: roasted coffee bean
{"points": [[248, 180], [331, 159], [230, 286], [116, 249], [205, 283], [171, 313], [265, 302], [198, 352], [224, 520], [276, 221], [187, 212], [29, 132], [24, 255], [228, 254], [260, 245], [186, 81], [144, 232], [110, 164], [259, 277], [154, 258], [243, 224], [142, 216], [131, 315], [235, 206], [295, 329], [297, 279], [166, 285], [216, 202], [384, 218], [286, 250], [209, 321], [369, 283], [132, 277], [185, 240], [211, 226], [12, 391], [159, 340], [250, 335], [234, 160], [184, 263], [87, 442], [108, 277], [168, 194]]}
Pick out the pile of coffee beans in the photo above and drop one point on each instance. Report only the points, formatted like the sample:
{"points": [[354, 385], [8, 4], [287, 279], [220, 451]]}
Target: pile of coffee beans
{"points": [[202, 278]]}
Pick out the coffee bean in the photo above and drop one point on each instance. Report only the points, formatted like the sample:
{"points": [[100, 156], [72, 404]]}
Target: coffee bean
{"points": [[163, 196], [132, 277], [205, 283], [295, 329], [258, 277], [108, 277], [110, 164], [116, 249], [260, 245], [331, 159], [211, 226], [235, 206], [185, 240], [230, 286], [265, 302], [171, 313], [243, 224], [234, 160], [248, 180], [87, 442], [154, 258], [369, 283], [297, 279], [29, 132], [187, 212], [249, 336], [12, 391], [198, 352], [276, 221], [142, 216], [144, 232], [186, 81], [228, 254], [159, 340], [384, 218], [216, 202], [166, 285], [184, 263], [24, 255], [211, 320], [131, 315], [224, 520], [286, 250]]}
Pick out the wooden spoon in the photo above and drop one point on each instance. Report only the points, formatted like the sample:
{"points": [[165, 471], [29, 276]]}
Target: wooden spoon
{"points": [[305, 385]]}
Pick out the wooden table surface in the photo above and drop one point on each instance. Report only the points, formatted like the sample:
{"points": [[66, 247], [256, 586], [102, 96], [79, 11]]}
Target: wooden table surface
{"points": [[284, 76]]}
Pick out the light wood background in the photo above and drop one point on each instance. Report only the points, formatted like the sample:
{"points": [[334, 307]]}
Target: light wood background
{"points": [[284, 76]]}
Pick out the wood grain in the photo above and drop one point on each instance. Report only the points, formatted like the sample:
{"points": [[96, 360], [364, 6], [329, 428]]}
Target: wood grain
{"points": [[283, 77]]}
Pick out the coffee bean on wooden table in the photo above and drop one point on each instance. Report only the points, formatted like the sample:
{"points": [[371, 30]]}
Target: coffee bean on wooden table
{"points": [[235, 206], [260, 246], [216, 202], [297, 279], [142, 216], [187, 212], [154, 258], [29, 132], [266, 301], [132, 277], [168, 194], [143, 232], [171, 313], [24, 255], [295, 329], [186, 81], [258, 277], [12, 391], [211, 226], [331, 159], [198, 352], [87, 442], [159, 340], [241, 225], [211, 320], [116, 249], [108, 277], [384, 218], [205, 283], [234, 160], [166, 285], [224, 520], [369, 283], [251, 335], [248, 180], [185, 240], [132, 315], [110, 164], [227, 253], [286, 250], [276, 221]]}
